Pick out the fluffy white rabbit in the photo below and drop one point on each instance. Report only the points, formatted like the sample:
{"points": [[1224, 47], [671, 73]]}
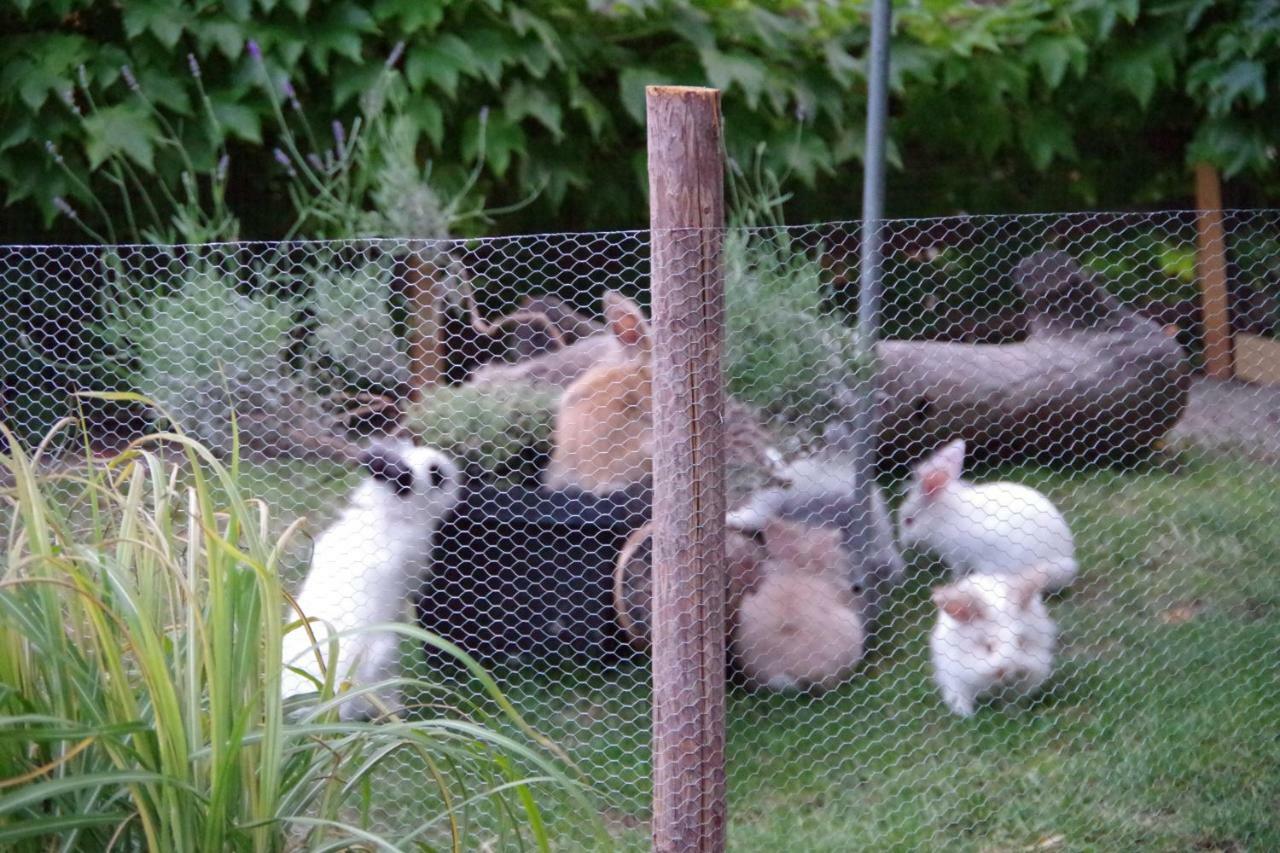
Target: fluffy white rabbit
{"points": [[984, 527], [363, 568], [993, 637]]}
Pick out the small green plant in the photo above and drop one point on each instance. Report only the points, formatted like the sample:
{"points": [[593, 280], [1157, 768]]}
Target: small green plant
{"points": [[354, 336], [496, 429], [200, 347], [141, 618], [788, 351]]}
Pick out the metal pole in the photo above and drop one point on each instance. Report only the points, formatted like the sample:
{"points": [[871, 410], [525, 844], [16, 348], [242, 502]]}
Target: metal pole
{"points": [[873, 173], [864, 427]]}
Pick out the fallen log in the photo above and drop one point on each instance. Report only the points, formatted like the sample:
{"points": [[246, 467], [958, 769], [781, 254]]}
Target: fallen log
{"points": [[1093, 381]]}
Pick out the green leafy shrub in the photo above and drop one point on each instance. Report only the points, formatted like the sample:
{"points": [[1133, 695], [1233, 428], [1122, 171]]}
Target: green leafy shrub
{"points": [[354, 334], [141, 616], [1012, 105], [787, 351], [201, 349], [499, 429]]}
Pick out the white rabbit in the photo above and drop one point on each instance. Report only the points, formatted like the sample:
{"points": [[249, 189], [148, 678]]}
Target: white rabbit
{"points": [[993, 636], [984, 527], [364, 566]]}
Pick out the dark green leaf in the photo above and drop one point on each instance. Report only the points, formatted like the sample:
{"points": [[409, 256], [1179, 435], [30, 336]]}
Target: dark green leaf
{"points": [[1045, 136], [121, 130], [429, 117], [521, 102], [725, 70], [238, 119]]}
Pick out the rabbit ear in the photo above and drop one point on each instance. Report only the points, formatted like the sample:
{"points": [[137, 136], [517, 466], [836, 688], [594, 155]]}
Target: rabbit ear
{"points": [[1027, 585], [942, 468], [959, 604], [626, 321]]}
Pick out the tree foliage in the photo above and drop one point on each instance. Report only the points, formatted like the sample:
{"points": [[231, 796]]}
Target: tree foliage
{"points": [[996, 105]]}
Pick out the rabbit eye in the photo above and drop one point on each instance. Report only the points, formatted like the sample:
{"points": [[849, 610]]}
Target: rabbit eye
{"points": [[909, 521], [435, 475]]}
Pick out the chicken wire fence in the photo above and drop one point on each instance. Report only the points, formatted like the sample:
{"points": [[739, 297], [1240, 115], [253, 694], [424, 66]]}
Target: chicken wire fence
{"points": [[1058, 630]]}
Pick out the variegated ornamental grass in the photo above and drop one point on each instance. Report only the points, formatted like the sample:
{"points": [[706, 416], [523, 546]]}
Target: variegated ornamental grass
{"points": [[141, 616]]}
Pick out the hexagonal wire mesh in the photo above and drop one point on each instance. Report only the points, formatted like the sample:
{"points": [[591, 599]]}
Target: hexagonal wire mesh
{"points": [[1120, 546]]}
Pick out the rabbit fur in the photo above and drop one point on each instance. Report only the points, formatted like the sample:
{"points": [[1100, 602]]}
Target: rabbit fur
{"points": [[603, 435], [984, 527], [801, 627], [363, 569], [604, 422], [825, 493], [993, 636]]}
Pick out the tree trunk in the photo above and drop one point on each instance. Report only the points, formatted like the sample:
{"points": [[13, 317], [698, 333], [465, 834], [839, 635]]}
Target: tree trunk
{"points": [[1093, 381]]}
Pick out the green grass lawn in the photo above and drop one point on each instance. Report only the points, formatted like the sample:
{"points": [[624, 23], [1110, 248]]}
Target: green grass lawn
{"points": [[1160, 728]]}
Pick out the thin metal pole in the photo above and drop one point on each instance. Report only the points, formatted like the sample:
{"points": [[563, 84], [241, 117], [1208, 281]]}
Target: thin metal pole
{"points": [[873, 173], [865, 421]]}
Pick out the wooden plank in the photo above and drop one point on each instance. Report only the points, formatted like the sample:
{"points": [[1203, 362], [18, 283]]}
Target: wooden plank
{"points": [[1257, 359], [1211, 268], [686, 215], [425, 297]]}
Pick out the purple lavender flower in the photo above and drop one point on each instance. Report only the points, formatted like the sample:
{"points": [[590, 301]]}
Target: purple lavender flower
{"points": [[52, 151], [193, 65], [283, 160], [314, 160], [484, 115], [223, 163], [291, 95], [339, 136], [396, 53], [132, 82], [254, 50], [69, 98]]}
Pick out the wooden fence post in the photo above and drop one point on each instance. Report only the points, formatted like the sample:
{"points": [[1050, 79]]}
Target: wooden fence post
{"points": [[424, 298], [1211, 269], [686, 217]]}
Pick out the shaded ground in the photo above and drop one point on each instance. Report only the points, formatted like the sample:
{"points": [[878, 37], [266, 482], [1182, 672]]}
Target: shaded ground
{"points": [[1231, 417]]}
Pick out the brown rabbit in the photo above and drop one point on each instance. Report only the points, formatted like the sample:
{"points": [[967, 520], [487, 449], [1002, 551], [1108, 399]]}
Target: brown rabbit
{"points": [[801, 626], [604, 423]]}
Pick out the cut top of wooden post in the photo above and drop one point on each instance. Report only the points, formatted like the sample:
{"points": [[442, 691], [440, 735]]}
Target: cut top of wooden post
{"points": [[686, 166]]}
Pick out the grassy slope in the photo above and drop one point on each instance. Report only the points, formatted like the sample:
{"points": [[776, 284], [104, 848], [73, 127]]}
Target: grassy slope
{"points": [[1160, 728]]}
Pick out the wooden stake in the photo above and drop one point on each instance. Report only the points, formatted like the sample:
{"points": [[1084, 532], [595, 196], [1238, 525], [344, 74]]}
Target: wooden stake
{"points": [[686, 216], [424, 295], [1211, 269]]}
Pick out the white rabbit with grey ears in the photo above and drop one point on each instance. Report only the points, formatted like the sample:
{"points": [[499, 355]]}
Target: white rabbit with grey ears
{"points": [[995, 528], [362, 571]]}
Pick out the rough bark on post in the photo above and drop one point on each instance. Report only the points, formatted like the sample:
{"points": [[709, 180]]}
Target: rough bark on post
{"points": [[424, 296], [1211, 268], [686, 215]]}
